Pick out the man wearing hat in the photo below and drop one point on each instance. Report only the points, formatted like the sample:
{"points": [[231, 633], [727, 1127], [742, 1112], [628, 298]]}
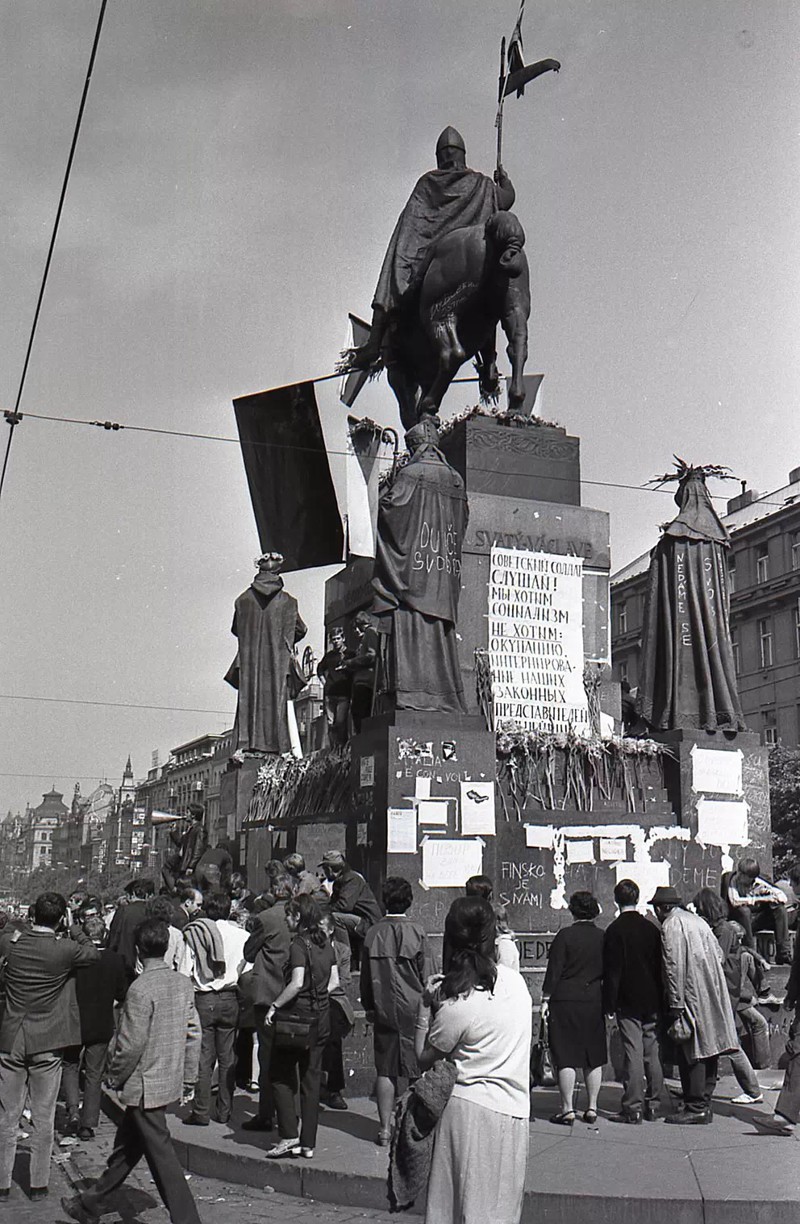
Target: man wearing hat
{"points": [[697, 1000], [444, 199], [352, 900]]}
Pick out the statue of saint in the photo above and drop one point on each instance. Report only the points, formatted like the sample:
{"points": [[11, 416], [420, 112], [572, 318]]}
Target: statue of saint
{"points": [[688, 677], [267, 625], [450, 197], [422, 518]]}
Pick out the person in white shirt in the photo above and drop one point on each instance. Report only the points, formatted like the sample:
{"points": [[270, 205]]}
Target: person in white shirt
{"points": [[217, 1004], [480, 1018], [758, 905]]}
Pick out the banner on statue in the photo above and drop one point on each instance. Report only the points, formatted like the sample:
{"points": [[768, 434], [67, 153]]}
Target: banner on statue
{"points": [[536, 641], [290, 481]]}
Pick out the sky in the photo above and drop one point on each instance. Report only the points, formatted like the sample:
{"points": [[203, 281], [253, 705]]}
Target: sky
{"points": [[240, 168]]}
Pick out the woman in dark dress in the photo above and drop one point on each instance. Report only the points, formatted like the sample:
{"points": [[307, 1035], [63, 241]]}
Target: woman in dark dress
{"points": [[572, 1002]]}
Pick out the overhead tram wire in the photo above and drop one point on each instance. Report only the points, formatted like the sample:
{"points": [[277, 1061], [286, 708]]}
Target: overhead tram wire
{"points": [[13, 418], [116, 426], [114, 705]]}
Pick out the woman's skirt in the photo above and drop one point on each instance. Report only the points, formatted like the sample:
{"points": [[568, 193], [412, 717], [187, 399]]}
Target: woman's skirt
{"points": [[478, 1166], [577, 1031]]}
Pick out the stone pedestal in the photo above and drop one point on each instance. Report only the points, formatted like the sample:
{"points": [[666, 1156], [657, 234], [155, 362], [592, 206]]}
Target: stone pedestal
{"points": [[691, 787]]}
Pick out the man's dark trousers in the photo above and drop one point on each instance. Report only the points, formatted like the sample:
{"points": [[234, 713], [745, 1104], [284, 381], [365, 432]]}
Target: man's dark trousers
{"points": [[219, 1019], [94, 1062], [144, 1132], [266, 1097], [642, 1077], [698, 1080]]}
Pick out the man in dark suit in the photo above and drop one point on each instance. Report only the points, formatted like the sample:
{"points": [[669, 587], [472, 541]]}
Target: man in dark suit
{"points": [[121, 935], [98, 987], [153, 1063], [632, 992], [40, 1018]]}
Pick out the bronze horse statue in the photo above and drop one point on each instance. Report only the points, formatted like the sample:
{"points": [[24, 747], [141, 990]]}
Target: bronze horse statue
{"points": [[471, 279]]}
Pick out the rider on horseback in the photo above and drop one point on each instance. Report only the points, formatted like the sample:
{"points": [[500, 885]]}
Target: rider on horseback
{"points": [[445, 199]]}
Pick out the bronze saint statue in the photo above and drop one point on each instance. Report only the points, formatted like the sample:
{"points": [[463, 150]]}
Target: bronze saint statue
{"points": [[454, 268], [688, 673], [267, 625], [422, 518]]}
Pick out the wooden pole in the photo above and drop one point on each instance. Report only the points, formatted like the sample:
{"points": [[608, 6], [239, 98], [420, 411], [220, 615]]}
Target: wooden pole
{"points": [[498, 123]]}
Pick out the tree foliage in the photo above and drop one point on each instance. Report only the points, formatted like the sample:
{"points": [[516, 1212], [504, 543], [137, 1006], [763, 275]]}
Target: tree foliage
{"points": [[784, 798]]}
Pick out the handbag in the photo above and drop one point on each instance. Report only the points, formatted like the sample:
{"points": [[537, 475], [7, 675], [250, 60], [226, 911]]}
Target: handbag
{"points": [[543, 1073], [680, 1030], [290, 1033]]}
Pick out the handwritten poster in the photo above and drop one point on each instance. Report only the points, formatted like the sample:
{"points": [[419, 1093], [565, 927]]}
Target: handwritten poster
{"points": [[367, 771], [722, 822], [612, 849], [477, 808], [401, 831], [536, 640], [649, 877], [432, 811], [716, 771], [449, 862], [580, 851], [422, 788], [540, 837]]}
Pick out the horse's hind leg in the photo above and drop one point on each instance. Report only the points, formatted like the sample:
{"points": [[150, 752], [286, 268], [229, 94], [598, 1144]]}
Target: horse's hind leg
{"points": [[406, 391], [486, 364], [516, 310], [451, 358]]}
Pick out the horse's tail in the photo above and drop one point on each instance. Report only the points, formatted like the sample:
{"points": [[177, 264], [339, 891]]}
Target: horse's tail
{"points": [[506, 238]]}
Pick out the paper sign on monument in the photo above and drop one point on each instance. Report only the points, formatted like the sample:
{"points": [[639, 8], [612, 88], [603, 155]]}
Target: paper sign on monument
{"points": [[536, 641]]}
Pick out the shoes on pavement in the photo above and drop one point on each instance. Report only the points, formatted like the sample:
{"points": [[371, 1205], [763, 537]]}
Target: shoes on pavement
{"points": [[193, 1120], [336, 1101], [685, 1117], [744, 1098], [563, 1119], [307, 1152], [257, 1124], [286, 1147], [76, 1211], [633, 1117], [85, 1133], [37, 1193], [772, 1124], [652, 1111]]}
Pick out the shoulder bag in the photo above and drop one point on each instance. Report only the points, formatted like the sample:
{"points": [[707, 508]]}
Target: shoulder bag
{"points": [[290, 1033], [543, 1073]]}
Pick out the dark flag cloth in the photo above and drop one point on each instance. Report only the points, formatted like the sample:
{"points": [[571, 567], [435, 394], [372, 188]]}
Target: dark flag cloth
{"points": [[289, 476], [688, 672], [422, 519]]}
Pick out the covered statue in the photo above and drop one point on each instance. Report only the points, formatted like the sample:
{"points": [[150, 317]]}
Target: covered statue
{"points": [[422, 518], [267, 625], [688, 677]]}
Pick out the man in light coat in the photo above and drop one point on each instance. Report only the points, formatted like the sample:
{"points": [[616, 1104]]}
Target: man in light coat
{"points": [[695, 989], [154, 1062]]}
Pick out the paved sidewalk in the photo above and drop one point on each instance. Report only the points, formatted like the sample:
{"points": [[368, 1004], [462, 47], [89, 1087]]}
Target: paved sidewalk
{"points": [[648, 1174]]}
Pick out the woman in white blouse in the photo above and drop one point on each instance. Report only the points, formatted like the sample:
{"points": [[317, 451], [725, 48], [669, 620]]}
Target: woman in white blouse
{"points": [[480, 1018]]}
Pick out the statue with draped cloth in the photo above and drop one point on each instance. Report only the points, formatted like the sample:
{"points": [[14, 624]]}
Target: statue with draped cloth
{"points": [[422, 519], [688, 676]]}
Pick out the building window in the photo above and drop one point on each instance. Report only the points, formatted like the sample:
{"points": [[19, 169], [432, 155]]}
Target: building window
{"points": [[796, 550], [623, 618], [770, 728], [732, 575], [622, 671], [765, 642], [797, 630], [762, 563], [737, 652]]}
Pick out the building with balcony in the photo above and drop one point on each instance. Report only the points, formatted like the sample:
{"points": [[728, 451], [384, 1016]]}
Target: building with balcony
{"points": [[764, 585]]}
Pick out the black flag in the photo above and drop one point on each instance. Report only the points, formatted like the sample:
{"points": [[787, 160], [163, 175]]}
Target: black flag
{"points": [[289, 476]]}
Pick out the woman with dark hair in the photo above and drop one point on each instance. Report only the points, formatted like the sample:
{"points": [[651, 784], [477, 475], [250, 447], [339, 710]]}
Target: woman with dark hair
{"points": [[479, 1018], [711, 906], [572, 1001], [312, 974]]}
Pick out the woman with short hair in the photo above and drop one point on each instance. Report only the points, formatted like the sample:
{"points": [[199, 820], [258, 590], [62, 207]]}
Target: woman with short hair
{"points": [[572, 1002], [481, 1021]]}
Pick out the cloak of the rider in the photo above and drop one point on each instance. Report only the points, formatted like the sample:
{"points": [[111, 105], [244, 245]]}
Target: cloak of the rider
{"points": [[267, 624], [688, 677], [422, 518], [442, 200]]}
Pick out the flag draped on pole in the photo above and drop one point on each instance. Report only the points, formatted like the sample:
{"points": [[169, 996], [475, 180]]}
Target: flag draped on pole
{"points": [[358, 333], [362, 488], [290, 481]]}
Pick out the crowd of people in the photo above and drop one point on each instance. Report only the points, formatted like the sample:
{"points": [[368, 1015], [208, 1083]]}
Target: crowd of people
{"points": [[185, 994]]}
